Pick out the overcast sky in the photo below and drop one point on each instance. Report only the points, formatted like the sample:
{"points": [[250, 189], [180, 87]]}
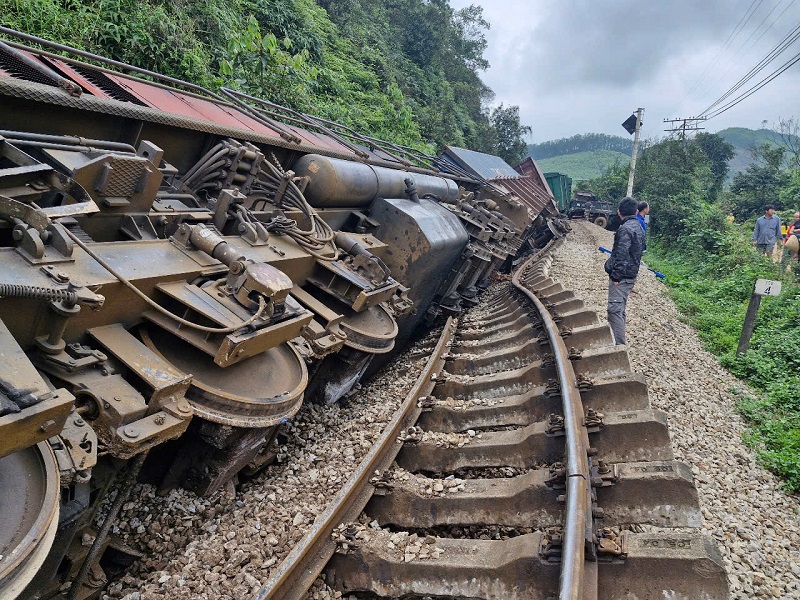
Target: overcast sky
{"points": [[579, 66]]}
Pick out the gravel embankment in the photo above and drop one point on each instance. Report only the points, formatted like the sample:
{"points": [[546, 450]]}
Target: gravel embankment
{"points": [[755, 523], [224, 547]]}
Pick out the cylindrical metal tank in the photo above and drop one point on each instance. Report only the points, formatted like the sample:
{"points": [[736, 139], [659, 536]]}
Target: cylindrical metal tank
{"points": [[342, 183]]}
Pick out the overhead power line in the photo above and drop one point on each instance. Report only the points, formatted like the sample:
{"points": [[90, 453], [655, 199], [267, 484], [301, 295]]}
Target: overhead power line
{"points": [[743, 48], [782, 46], [731, 37], [749, 92]]}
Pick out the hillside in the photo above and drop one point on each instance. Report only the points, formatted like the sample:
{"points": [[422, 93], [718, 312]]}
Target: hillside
{"points": [[583, 142], [408, 71], [583, 165], [744, 140]]}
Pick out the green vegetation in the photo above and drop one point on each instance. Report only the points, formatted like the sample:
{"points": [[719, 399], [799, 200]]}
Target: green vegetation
{"points": [[711, 268], [407, 71], [745, 140], [742, 138], [585, 165], [583, 142], [713, 291]]}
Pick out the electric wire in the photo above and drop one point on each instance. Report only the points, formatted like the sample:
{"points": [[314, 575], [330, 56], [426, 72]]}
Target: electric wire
{"points": [[788, 40], [783, 68], [734, 60], [731, 36], [209, 173]]}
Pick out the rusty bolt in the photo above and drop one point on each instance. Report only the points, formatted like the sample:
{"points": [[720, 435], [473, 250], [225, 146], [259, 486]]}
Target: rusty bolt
{"points": [[130, 432], [47, 425], [184, 407], [159, 419]]}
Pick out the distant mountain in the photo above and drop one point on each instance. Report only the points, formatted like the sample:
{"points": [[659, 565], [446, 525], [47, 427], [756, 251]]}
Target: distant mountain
{"points": [[744, 140], [583, 165], [588, 155], [583, 142]]}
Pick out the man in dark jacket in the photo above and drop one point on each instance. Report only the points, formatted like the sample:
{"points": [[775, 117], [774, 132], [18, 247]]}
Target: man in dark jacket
{"points": [[623, 266]]}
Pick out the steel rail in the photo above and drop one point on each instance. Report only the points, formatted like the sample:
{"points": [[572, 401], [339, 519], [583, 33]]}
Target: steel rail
{"points": [[578, 517], [297, 572]]}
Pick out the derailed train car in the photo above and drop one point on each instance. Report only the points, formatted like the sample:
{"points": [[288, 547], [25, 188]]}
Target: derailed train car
{"points": [[180, 270]]}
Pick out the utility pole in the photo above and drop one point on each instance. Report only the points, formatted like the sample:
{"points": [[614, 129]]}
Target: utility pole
{"points": [[639, 113], [686, 124]]}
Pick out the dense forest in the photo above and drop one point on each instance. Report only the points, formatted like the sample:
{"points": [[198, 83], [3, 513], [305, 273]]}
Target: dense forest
{"points": [[583, 142], [403, 70], [701, 232]]}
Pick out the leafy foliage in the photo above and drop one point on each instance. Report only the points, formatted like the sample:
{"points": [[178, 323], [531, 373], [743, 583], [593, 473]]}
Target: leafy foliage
{"points": [[761, 183], [405, 70], [719, 152], [510, 146], [583, 142], [713, 289]]}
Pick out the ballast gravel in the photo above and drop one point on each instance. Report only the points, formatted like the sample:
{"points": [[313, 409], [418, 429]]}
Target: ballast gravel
{"points": [[226, 546], [755, 524]]}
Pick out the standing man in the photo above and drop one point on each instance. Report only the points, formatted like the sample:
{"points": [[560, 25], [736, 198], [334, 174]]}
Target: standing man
{"points": [[642, 210], [767, 230], [623, 266]]}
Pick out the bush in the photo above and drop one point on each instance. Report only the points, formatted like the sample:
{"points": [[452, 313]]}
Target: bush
{"points": [[713, 289]]}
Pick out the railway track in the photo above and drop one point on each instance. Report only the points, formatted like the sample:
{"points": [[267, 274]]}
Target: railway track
{"points": [[526, 462]]}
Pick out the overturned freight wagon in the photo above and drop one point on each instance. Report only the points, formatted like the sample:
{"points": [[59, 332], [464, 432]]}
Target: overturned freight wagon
{"points": [[181, 269]]}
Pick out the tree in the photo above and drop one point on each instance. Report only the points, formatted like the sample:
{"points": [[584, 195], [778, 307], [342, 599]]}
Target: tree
{"points": [[719, 152], [511, 146], [789, 130], [612, 184], [760, 183], [676, 177]]}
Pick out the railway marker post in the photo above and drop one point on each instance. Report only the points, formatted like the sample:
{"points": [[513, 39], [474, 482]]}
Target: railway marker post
{"points": [[763, 287]]}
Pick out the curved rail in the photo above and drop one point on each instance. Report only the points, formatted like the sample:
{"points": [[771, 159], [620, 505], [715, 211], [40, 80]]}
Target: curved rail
{"points": [[301, 567], [578, 518]]}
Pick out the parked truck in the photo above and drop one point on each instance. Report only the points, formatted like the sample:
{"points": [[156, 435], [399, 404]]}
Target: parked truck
{"points": [[585, 205]]}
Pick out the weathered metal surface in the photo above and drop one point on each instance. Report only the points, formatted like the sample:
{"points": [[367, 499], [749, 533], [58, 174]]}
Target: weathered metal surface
{"points": [[257, 392], [29, 496], [482, 165]]}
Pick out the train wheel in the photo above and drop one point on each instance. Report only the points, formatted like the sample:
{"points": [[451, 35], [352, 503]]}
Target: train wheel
{"points": [[257, 392], [601, 222], [29, 497]]}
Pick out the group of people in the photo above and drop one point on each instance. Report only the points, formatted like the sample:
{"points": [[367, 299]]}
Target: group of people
{"points": [[630, 242], [768, 231]]}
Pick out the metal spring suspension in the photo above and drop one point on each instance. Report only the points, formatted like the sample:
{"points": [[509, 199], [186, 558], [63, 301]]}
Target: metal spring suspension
{"points": [[32, 292]]}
